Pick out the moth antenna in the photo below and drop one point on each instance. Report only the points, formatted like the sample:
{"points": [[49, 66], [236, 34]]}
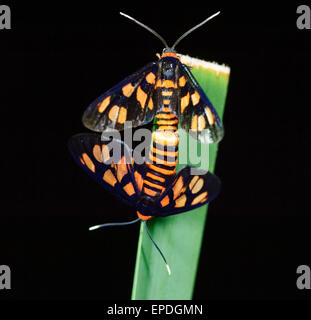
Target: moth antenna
{"points": [[146, 27], [112, 224], [162, 255], [194, 28]]}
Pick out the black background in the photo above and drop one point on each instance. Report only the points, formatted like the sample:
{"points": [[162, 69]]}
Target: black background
{"points": [[55, 60]]}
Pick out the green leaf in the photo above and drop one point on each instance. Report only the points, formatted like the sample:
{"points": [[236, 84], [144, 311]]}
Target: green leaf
{"points": [[180, 236]]}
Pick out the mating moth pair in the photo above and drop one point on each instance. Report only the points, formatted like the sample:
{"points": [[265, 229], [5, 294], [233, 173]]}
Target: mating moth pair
{"points": [[167, 93]]}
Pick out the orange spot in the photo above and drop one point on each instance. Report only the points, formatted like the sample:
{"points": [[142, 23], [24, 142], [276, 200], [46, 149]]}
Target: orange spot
{"points": [[165, 201], [121, 169], [103, 105], [110, 178], [165, 84], [155, 177], [150, 192], [166, 109], [167, 93], [82, 161], [203, 200], [181, 201], [184, 102], [166, 101], [97, 153], [168, 84], [139, 180], [122, 115], [89, 163], [177, 187], [194, 122], [182, 81], [201, 123], [193, 182], [129, 189], [141, 97], [170, 54], [128, 89], [105, 153], [150, 104], [142, 217], [195, 97], [150, 78], [113, 113], [198, 186], [210, 116], [199, 198], [161, 170], [158, 84]]}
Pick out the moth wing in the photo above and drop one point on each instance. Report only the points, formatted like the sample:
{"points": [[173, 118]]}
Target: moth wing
{"points": [[130, 100], [188, 192], [108, 163], [196, 112]]}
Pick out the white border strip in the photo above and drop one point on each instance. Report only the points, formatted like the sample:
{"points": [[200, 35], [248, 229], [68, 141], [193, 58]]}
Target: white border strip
{"points": [[194, 62]]}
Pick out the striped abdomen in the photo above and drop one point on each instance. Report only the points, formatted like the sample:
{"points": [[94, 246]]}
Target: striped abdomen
{"points": [[163, 154]]}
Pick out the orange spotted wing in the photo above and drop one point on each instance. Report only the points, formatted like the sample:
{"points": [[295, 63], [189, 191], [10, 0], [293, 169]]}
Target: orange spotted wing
{"points": [[196, 113], [130, 100], [94, 156], [187, 191]]}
